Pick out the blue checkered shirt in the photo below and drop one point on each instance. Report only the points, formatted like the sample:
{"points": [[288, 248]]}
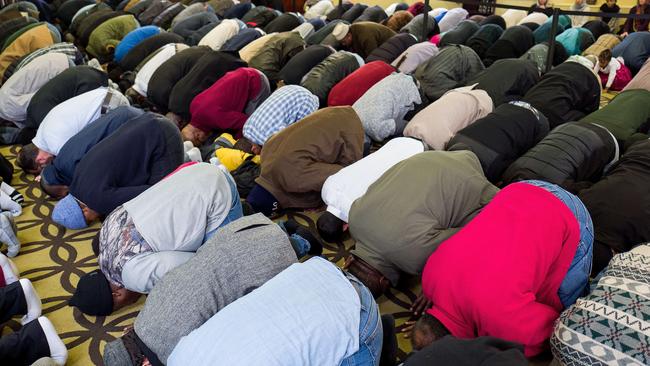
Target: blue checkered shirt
{"points": [[285, 106]]}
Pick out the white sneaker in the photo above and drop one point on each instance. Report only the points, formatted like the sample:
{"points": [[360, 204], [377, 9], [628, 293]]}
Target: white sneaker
{"points": [[58, 351], [32, 300], [187, 146], [195, 155], [9, 269]]}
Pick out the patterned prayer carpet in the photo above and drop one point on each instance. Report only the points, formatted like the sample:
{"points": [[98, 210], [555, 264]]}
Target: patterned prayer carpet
{"points": [[54, 258]]}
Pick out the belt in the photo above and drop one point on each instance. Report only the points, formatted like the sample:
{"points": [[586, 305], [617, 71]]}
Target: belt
{"points": [[526, 105], [107, 101]]}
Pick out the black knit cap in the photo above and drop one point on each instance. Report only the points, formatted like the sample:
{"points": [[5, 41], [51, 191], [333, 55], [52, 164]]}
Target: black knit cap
{"points": [[93, 295]]}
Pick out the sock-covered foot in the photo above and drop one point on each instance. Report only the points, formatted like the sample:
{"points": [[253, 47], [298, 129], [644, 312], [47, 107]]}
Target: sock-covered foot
{"points": [[8, 234], [12, 192], [315, 246], [9, 269], [33, 301], [187, 146], [58, 351], [8, 204], [194, 154]]}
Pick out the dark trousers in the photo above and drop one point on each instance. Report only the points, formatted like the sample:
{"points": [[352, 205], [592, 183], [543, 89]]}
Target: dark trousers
{"points": [[28, 344]]}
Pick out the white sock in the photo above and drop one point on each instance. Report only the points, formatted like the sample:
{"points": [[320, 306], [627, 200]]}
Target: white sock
{"points": [[7, 204], [12, 192], [195, 154], [32, 300], [8, 234], [58, 351], [187, 145], [9, 269]]}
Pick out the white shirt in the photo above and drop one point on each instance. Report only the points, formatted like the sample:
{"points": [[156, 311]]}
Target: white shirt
{"points": [[410, 59], [537, 18], [451, 19], [441, 120], [220, 34], [319, 10], [19, 89], [306, 315], [343, 188], [512, 17], [305, 29], [67, 119], [611, 69], [177, 212], [145, 73]]}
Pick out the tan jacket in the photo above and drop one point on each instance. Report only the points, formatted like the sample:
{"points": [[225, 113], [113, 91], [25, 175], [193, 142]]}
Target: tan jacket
{"points": [[28, 42], [441, 120], [297, 161]]}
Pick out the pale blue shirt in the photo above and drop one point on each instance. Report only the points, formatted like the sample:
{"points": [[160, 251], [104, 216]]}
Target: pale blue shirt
{"points": [[306, 315]]}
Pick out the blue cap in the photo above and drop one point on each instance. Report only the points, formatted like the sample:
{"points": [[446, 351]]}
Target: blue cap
{"points": [[67, 212]]}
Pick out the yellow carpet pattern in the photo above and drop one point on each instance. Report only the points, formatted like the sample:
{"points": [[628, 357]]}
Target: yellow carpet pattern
{"points": [[54, 258]]}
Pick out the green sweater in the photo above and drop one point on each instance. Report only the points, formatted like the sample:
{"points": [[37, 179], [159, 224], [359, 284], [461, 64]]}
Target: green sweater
{"points": [[416, 205], [624, 114], [105, 38]]}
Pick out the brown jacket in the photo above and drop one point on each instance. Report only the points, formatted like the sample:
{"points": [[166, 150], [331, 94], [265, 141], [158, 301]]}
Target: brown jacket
{"points": [[297, 161], [366, 36]]}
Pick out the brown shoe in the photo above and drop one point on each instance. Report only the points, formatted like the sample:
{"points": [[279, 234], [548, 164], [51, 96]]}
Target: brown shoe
{"points": [[376, 282]]}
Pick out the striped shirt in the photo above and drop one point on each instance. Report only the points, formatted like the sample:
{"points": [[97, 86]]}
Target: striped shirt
{"points": [[66, 48], [284, 107]]}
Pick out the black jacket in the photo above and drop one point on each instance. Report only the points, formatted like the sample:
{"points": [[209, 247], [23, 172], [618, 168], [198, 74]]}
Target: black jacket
{"points": [[241, 39], [459, 34], [300, 64], [68, 84], [513, 43], [322, 78], [260, 16], [284, 23], [338, 11], [597, 28], [392, 48], [169, 73], [572, 155], [207, 70], [372, 14], [147, 148], [507, 80], [483, 351], [566, 93], [501, 137], [484, 38], [353, 13], [187, 26], [620, 202]]}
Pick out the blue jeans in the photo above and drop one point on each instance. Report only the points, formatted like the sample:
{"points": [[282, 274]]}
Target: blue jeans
{"points": [[370, 330], [236, 212], [576, 281]]}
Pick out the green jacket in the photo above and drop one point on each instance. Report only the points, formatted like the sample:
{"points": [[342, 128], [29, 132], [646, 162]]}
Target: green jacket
{"points": [[276, 53], [105, 38], [624, 114], [366, 36], [415, 206]]}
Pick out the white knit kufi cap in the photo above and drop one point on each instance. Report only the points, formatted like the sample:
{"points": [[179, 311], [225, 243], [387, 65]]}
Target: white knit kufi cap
{"points": [[340, 31]]}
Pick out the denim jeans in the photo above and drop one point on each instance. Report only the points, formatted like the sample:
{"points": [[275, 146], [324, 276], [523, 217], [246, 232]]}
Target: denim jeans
{"points": [[370, 330], [576, 281], [236, 212]]}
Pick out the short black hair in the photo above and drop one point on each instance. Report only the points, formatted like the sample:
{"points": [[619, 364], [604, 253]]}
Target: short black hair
{"points": [[244, 145], [27, 157], [432, 326], [330, 227]]}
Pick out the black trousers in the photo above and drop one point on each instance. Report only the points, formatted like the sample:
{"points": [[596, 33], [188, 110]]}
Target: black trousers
{"points": [[28, 344]]}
